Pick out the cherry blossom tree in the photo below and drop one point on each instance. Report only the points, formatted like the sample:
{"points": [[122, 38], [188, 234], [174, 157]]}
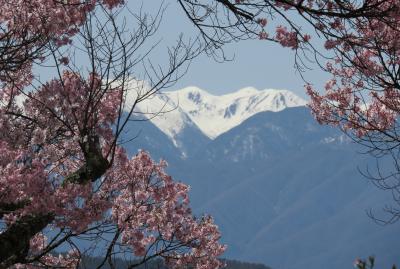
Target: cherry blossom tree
{"points": [[65, 180], [359, 49]]}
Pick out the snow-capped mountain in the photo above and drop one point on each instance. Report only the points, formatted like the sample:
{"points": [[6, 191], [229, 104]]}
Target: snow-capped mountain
{"points": [[283, 189], [174, 111], [216, 114], [162, 112], [167, 116]]}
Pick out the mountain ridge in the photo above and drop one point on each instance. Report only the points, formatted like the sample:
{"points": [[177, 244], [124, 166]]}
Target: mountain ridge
{"points": [[213, 115], [216, 114]]}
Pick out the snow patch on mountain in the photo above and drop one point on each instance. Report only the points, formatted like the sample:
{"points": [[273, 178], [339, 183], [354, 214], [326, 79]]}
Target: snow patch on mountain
{"points": [[163, 112], [216, 114]]}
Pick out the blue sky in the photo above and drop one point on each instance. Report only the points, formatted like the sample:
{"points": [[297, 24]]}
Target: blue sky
{"points": [[255, 63]]}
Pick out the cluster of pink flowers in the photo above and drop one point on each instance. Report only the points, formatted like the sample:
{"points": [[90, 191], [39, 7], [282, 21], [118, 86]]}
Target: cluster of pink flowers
{"points": [[37, 244], [150, 210], [287, 38], [153, 213], [57, 19], [362, 95], [28, 26], [63, 125], [41, 145]]}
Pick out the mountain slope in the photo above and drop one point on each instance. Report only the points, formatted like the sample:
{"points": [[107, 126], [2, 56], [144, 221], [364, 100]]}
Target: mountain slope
{"points": [[268, 135], [145, 135], [284, 190], [163, 113], [293, 200]]}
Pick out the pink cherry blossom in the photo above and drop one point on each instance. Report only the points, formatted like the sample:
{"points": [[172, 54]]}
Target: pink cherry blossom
{"points": [[47, 138]]}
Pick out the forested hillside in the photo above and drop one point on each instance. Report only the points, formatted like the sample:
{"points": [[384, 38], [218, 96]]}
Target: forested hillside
{"points": [[93, 262]]}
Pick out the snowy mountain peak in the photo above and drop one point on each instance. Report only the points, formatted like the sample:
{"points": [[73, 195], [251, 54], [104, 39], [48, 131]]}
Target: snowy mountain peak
{"points": [[215, 115], [191, 107]]}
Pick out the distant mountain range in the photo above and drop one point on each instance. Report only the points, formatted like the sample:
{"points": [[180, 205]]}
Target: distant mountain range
{"points": [[284, 190], [93, 262]]}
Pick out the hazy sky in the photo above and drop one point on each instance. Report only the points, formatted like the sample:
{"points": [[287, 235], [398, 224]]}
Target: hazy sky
{"points": [[255, 63]]}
